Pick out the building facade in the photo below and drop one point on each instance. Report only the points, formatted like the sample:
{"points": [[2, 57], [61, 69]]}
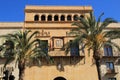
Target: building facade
{"points": [[54, 24], [6, 28]]}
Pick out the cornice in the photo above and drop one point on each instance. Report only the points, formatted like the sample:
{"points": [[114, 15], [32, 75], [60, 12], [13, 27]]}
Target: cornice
{"points": [[11, 27], [56, 11]]}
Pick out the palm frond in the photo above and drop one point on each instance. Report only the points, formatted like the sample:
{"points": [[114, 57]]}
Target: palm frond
{"points": [[99, 21], [112, 34], [78, 40], [33, 35], [106, 22], [113, 44]]}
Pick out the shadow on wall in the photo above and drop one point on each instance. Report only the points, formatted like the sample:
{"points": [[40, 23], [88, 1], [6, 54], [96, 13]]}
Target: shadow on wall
{"points": [[60, 62]]}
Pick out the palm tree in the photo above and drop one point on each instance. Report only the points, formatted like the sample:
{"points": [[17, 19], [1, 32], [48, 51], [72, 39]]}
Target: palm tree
{"points": [[92, 35], [24, 48]]}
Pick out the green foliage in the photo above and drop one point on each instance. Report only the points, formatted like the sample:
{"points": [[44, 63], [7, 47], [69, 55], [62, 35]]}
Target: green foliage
{"points": [[21, 46], [24, 48], [92, 34]]}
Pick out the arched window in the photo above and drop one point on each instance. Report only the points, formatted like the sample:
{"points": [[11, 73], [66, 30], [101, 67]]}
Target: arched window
{"points": [[62, 18], [82, 16], [49, 18], [56, 18], [108, 50], [75, 17], [69, 18], [43, 18], [36, 18]]}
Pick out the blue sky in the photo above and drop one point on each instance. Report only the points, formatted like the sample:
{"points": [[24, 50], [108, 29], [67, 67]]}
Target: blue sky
{"points": [[13, 10]]}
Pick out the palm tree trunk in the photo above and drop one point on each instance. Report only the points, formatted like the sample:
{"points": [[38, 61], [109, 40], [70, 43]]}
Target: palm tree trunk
{"points": [[97, 62], [98, 69], [21, 67]]}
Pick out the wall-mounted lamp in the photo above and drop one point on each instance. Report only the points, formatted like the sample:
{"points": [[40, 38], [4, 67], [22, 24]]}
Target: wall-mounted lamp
{"points": [[60, 67]]}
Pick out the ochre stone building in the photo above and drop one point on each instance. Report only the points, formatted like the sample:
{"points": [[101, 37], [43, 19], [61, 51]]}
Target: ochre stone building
{"points": [[54, 24]]}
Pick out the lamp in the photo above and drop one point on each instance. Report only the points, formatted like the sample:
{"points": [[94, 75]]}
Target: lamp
{"points": [[60, 67]]}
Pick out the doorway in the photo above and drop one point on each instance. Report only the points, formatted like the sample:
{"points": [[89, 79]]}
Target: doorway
{"points": [[59, 78]]}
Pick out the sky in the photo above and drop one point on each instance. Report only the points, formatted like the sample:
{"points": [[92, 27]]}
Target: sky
{"points": [[13, 10]]}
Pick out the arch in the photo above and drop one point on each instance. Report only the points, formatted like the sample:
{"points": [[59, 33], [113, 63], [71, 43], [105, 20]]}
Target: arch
{"points": [[60, 78], [56, 18], [36, 18], [69, 18], [62, 18], [43, 17], [75, 17], [108, 50], [49, 18], [81, 16]]}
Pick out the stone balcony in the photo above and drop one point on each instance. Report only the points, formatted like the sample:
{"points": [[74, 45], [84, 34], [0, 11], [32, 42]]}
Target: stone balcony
{"points": [[106, 71], [114, 56]]}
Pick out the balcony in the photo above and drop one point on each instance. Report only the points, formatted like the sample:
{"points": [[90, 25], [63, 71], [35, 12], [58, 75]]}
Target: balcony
{"points": [[106, 71], [110, 57], [64, 55], [111, 71], [67, 59], [110, 53], [114, 56]]}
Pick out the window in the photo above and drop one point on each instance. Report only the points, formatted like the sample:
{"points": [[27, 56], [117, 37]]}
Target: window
{"points": [[43, 18], [56, 18], [62, 18], [49, 18], [44, 44], [74, 48], [36, 18], [82, 16], [111, 78], [75, 17], [108, 50], [69, 18], [110, 66]]}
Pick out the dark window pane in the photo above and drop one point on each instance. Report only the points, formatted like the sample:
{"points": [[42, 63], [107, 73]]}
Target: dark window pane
{"points": [[49, 18], [36, 18], [55, 18], [75, 17], [74, 49], [105, 51], [44, 45], [108, 50], [81, 16], [62, 18], [110, 65], [43, 18], [69, 18]]}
